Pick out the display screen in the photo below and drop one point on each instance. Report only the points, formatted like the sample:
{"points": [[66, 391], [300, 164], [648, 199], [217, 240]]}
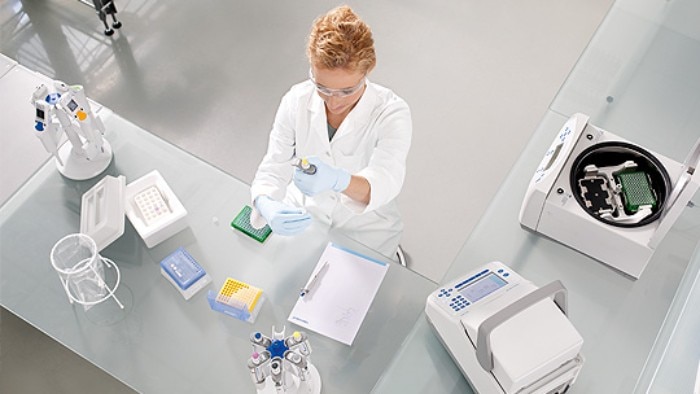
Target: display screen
{"points": [[483, 287], [72, 105], [39, 113]]}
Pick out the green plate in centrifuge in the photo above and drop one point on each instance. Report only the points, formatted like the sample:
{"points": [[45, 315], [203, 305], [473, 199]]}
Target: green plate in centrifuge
{"points": [[242, 223], [636, 190]]}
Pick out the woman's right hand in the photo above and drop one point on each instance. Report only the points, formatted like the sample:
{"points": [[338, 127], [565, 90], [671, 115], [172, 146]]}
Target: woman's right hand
{"points": [[282, 218]]}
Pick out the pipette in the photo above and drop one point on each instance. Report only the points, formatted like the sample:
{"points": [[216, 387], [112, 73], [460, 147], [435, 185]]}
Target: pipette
{"points": [[306, 167]]}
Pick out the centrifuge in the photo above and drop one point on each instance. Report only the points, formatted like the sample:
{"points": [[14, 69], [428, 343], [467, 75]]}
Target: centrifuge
{"points": [[607, 197]]}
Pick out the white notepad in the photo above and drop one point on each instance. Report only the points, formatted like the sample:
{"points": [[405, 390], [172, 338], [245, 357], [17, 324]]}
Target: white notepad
{"points": [[339, 301]]}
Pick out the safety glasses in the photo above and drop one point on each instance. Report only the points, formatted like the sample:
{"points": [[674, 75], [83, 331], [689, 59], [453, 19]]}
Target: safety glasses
{"points": [[344, 92]]}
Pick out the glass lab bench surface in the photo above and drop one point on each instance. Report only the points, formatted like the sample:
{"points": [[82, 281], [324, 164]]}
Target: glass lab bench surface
{"points": [[161, 343], [638, 79], [6, 64], [673, 365]]}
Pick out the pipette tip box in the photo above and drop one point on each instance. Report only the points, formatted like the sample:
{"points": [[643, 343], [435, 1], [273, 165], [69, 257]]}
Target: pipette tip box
{"points": [[154, 209], [242, 223], [183, 271], [237, 299]]}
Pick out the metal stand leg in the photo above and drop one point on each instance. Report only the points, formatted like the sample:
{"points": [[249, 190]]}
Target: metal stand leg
{"points": [[104, 8]]}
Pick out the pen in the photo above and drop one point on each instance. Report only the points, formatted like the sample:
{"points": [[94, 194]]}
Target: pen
{"points": [[312, 283], [305, 166]]}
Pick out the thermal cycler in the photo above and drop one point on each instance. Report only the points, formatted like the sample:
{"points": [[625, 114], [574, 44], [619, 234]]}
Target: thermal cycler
{"points": [[506, 334]]}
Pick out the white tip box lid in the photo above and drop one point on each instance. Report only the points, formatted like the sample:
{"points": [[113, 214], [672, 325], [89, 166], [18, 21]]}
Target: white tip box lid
{"points": [[102, 211]]}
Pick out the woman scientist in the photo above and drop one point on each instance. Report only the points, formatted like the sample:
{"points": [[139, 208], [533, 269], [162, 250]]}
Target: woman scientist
{"points": [[356, 133]]}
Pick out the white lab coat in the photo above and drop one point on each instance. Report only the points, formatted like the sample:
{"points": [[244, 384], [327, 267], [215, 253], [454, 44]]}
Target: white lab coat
{"points": [[373, 142]]}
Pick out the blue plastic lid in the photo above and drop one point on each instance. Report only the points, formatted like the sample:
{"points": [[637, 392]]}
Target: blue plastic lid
{"points": [[182, 268], [240, 314]]}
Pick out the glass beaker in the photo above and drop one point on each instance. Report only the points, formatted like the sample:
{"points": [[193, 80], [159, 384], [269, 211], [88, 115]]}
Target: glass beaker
{"points": [[82, 270]]}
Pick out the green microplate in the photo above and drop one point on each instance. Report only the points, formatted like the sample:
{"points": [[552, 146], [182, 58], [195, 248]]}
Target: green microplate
{"points": [[636, 190], [242, 223]]}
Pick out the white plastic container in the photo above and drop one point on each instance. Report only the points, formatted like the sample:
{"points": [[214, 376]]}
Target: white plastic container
{"points": [[153, 209]]}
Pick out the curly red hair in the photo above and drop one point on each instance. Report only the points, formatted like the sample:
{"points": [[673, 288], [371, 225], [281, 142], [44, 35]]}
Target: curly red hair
{"points": [[340, 39]]}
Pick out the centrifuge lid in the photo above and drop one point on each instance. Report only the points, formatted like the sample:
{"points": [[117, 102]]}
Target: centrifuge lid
{"points": [[684, 189], [690, 166], [693, 160]]}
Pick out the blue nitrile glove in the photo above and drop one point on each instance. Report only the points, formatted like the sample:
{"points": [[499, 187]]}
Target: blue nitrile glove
{"points": [[282, 218], [326, 178]]}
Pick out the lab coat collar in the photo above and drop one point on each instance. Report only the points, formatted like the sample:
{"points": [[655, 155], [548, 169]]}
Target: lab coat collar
{"points": [[359, 115]]}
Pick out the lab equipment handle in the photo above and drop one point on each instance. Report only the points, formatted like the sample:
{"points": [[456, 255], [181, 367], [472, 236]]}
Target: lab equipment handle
{"points": [[483, 338]]}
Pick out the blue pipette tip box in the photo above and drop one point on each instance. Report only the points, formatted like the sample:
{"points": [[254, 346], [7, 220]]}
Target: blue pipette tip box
{"points": [[183, 271]]}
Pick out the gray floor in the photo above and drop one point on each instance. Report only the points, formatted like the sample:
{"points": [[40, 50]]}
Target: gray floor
{"points": [[208, 77]]}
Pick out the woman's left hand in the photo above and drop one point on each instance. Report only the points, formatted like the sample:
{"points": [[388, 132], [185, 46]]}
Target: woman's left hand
{"points": [[325, 178]]}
